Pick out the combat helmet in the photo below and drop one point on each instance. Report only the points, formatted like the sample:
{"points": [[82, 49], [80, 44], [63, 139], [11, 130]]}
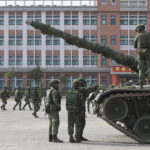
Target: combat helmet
{"points": [[140, 27], [52, 82], [82, 81], [75, 83]]}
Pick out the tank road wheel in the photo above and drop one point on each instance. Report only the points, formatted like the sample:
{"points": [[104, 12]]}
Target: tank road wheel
{"points": [[116, 109], [142, 127]]}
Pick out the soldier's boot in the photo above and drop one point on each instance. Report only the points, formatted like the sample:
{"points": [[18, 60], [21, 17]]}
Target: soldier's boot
{"points": [[77, 139], [2, 107], [50, 138], [83, 139], [71, 139], [14, 107], [33, 114], [56, 140]]}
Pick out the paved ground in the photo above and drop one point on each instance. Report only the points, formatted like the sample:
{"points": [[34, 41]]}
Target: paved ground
{"points": [[20, 131]]}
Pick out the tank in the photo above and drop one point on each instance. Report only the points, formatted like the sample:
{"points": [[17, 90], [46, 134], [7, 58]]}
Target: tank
{"points": [[126, 109]]}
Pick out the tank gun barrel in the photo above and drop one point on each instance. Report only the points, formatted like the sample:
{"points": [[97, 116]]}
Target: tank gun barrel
{"points": [[106, 51]]}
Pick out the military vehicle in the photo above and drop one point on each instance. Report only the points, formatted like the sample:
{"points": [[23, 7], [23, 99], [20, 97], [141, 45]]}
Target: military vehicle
{"points": [[126, 109]]}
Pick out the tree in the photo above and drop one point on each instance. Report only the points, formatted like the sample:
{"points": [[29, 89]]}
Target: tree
{"points": [[10, 75], [35, 74], [106, 51]]}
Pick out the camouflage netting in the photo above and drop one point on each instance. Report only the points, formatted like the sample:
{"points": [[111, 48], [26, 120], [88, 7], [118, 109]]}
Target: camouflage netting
{"points": [[119, 57]]}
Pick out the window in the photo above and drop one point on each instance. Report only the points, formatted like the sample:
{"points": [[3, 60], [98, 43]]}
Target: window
{"points": [[103, 2], [11, 60], [11, 20], [19, 20], [104, 60], [123, 20], [38, 18], [113, 2], [19, 81], [30, 17], [37, 60], [1, 60], [30, 60], [68, 84], [11, 40], [93, 60], [67, 20], [132, 39], [86, 60], [94, 38], [56, 41], [86, 20], [86, 37], [48, 60], [133, 20], [74, 20], [124, 40], [113, 40], [19, 40], [48, 40], [18, 60], [1, 20], [104, 81], [68, 60], [142, 20], [49, 20], [1, 82], [103, 40], [56, 60], [93, 20], [1, 40], [90, 80], [30, 40], [75, 60], [103, 19], [56, 20], [113, 20], [37, 40]]}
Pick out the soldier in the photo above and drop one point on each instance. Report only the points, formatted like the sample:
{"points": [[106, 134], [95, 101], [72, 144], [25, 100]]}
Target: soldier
{"points": [[74, 101], [4, 95], [27, 98], [18, 97], [36, 101], [85, 92], [54, 102], [142, 44]]}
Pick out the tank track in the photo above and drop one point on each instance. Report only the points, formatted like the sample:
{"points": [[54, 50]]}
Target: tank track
{"points": [[124, 93]]}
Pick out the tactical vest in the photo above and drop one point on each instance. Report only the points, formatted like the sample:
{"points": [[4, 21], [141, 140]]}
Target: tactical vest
{"points": [[143, 40], [73, 101]]}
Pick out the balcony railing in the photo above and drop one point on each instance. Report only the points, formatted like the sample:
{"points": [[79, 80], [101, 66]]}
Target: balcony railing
{"points": [[48, 3]]}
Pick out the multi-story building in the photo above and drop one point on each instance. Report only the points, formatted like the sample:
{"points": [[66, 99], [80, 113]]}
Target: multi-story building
{"points": [[109, 22]]}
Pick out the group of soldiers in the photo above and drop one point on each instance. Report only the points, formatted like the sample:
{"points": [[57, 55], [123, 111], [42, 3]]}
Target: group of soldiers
{"points": [[75, 105], [29, 97]]}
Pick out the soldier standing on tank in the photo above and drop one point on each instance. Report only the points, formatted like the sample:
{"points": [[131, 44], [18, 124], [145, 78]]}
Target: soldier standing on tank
{"points": [[4, 97], [142, 44], [36, 101], [27, 98], [54, 102], [74, 100], [18, 97], [85, 92]]}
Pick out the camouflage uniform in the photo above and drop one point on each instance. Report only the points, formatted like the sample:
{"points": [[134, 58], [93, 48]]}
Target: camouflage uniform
{"points": [[142, 44], [4, 96], [85, 92], [18, 97], [54, 102], [36, 101], [27, 98], [74, 101]]}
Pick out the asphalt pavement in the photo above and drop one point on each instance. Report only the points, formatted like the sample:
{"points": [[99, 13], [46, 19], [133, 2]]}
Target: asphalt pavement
{"points": [[19, 130]]}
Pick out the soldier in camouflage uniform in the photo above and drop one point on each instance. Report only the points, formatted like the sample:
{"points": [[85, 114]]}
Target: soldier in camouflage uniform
{"points": [[74, 100], [85, 92], [142, 44], [27, 99], [36, 101], [54, 102], [18, 97], [4, 96]]}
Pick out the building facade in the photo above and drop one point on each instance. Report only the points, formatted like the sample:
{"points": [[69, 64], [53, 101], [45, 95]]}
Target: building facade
{"points": [[109, 22]]}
